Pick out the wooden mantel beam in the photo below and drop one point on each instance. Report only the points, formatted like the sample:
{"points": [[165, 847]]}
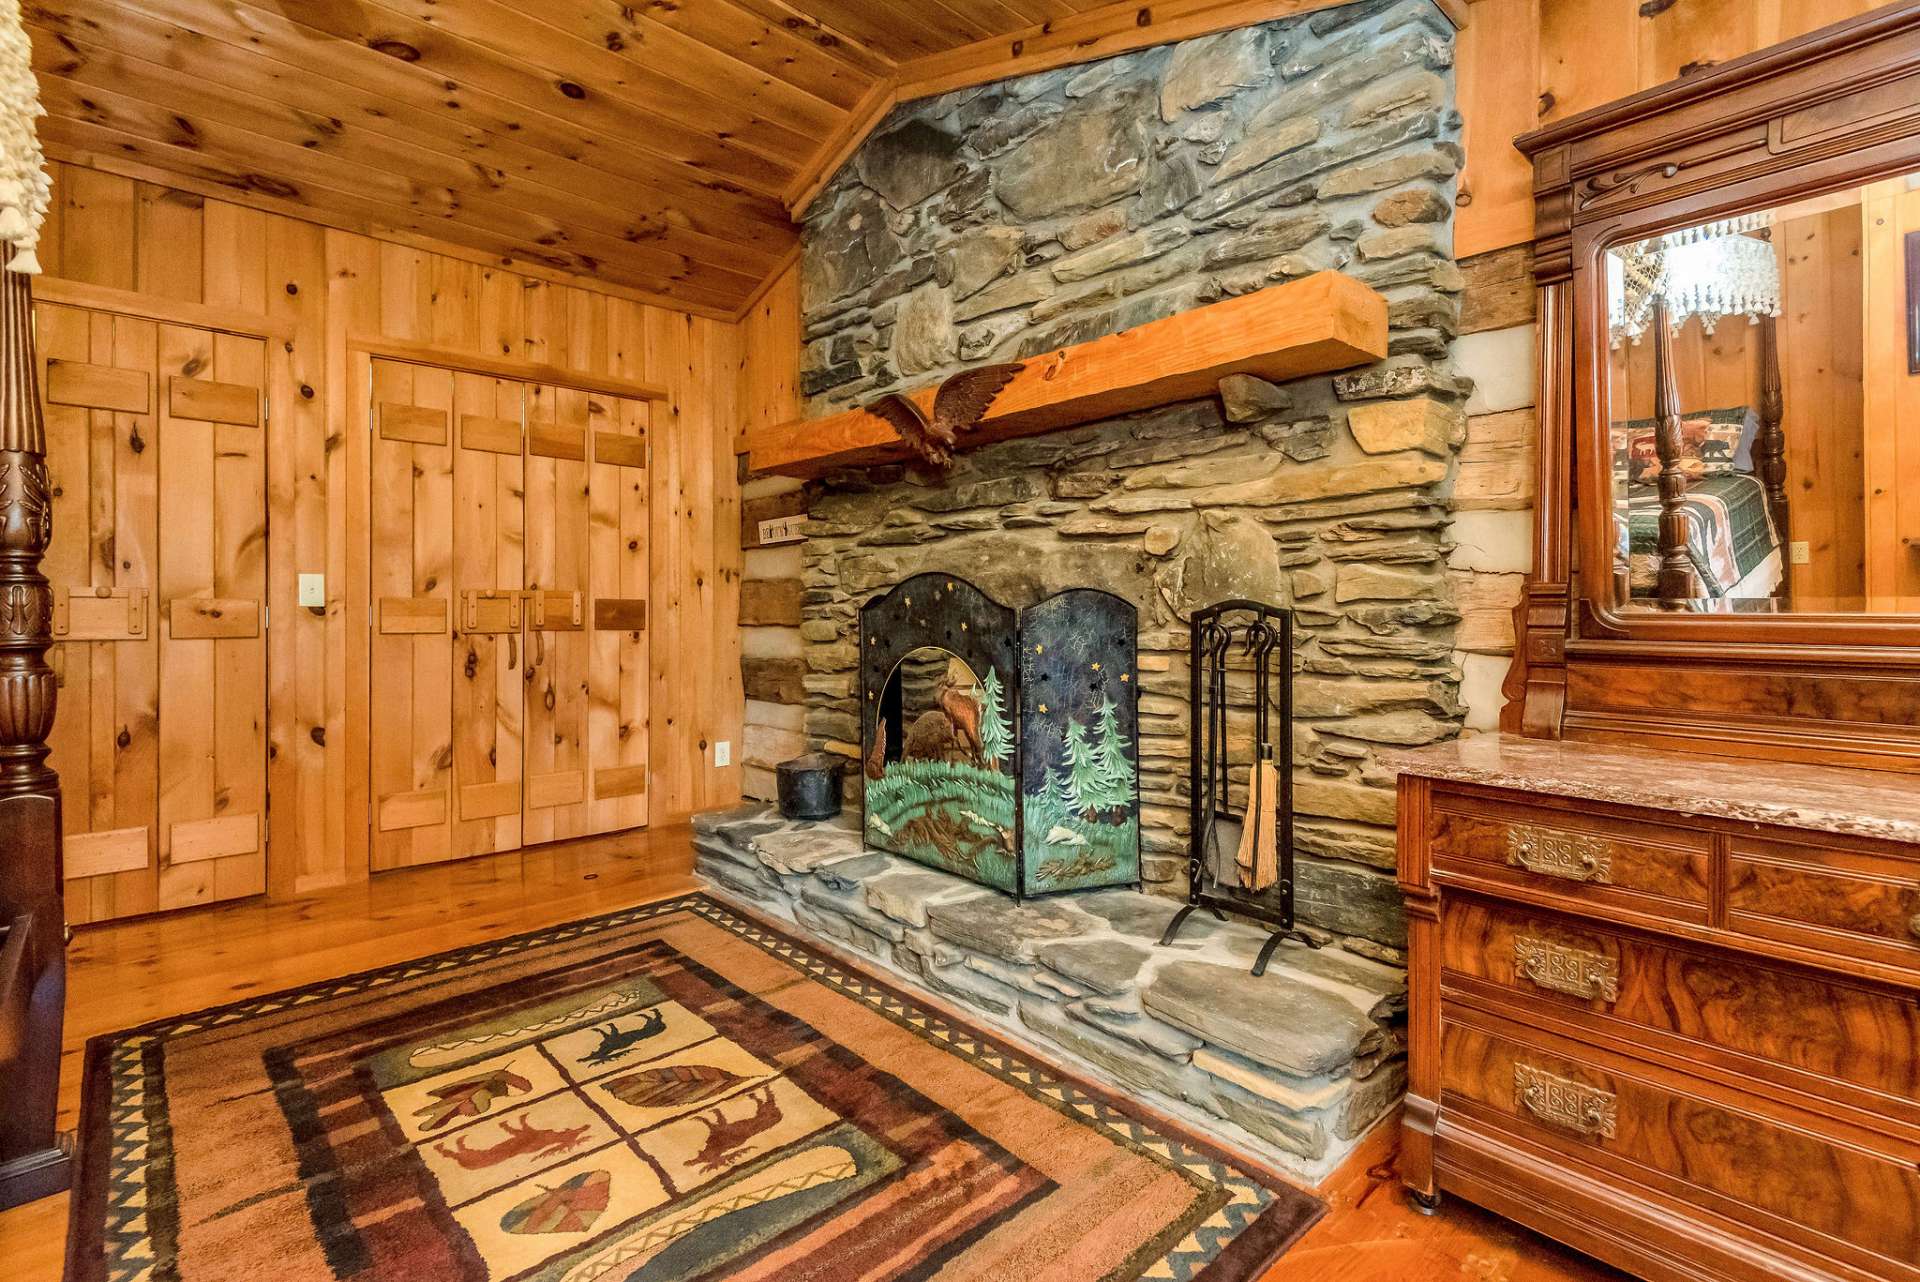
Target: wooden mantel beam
{"points": [[1324, 322]]}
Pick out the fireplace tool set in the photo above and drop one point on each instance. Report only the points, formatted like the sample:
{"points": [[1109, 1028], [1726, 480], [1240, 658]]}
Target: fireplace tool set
{"points": [[1241, 856]]}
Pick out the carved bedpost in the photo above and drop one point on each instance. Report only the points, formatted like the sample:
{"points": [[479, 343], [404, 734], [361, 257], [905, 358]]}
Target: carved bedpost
{"points": [[1770, 452], [1678, 579], [34, 1160]]}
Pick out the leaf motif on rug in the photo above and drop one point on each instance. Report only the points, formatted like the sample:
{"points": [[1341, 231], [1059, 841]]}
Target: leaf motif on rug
{"points": [[471, 1097], [571, 1207], [673, 1085]]}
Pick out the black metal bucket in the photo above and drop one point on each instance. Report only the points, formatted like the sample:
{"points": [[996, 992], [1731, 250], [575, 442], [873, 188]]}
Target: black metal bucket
{"points": [[810, 786]]}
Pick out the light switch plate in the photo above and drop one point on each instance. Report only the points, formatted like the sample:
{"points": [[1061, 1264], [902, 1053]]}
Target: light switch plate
{"points": [[723, 752], [313, 590], [1800, 552]]}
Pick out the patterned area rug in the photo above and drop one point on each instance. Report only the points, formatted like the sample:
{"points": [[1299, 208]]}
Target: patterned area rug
{"points": [[670, 1093]]}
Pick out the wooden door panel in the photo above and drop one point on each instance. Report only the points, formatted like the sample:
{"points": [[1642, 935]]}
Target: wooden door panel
{"points": [[213, 581], [541, 613], [559, 422], [101, 614], [91, 855], [212, 401], [98, 387], [411, 743], [104, 471], [617, 671], [489, 559], [201, 839]]}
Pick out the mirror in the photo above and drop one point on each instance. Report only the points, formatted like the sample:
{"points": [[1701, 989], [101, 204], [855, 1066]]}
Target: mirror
{"points": [[1763, 401]]}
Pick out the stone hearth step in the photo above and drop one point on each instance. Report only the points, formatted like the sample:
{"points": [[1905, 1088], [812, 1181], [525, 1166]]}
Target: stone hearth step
{"points": [[1293, 1066]]}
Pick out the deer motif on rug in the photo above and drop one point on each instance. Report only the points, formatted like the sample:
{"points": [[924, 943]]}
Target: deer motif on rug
{"points": [[525, 1140], [617, 1043], [729, 1142]]}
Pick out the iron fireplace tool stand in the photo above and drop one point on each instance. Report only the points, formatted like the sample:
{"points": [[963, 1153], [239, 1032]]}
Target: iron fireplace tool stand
{"points": [[1258, 842]]}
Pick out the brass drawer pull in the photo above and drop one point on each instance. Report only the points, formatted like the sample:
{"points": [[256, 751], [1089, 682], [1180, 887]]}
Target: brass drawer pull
{"points": [[1573, 971], [1566, 1104], [1560, 854]]}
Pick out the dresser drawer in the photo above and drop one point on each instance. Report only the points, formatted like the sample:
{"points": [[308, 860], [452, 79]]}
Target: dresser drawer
{"points": [[1578, 859], [1643, 1129], [1718, 1010], [1852, 901]]}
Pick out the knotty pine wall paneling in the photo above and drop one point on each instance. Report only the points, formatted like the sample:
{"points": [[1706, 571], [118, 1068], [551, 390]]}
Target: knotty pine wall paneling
{"points": [[326, 287], [1524, 63]]}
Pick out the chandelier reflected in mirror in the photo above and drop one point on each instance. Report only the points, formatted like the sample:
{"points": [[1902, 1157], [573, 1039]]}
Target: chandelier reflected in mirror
{"points": [[1715, 270]]}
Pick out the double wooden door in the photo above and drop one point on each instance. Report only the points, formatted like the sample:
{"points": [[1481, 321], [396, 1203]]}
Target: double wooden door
{"points": [[157, 456], [509, 587]]}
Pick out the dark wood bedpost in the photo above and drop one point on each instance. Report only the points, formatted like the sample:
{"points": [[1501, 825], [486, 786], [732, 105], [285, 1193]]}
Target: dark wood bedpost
{"points": [[1770, 452], [34, 1159], [1679, 581]]}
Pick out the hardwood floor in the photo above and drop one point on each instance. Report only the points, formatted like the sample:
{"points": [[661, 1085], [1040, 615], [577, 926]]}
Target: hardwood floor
{"points": [[130, 972]]}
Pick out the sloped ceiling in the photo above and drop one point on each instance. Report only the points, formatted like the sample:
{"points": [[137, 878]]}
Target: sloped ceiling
{"points": [[658, 146]]}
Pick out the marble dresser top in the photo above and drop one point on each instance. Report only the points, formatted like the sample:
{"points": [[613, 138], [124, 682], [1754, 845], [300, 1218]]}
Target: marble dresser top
{"points": [[1865, 803]]}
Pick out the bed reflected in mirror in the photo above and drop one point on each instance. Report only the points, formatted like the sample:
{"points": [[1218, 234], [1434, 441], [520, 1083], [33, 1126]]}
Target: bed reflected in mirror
{"points": [[1763, 384]]}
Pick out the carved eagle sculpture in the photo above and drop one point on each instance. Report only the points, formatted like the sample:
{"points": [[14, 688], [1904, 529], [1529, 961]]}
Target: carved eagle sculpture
{"points": [[958, 407]]}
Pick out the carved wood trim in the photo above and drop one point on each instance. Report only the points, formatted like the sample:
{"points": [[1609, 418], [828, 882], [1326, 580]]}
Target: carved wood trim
{"points": [[33, 1158]]}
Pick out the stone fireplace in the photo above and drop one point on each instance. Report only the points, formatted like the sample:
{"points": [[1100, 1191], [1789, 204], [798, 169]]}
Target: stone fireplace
{"points": [[998, 223]]}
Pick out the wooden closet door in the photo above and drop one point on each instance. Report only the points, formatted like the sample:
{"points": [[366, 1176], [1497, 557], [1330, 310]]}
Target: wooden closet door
{"points": [[411, 706], [212, 590], [558, 576], [617, 669], [489, 557], [97, 385]]}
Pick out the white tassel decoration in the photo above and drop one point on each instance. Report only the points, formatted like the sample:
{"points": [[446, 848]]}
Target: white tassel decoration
{"points": [[24, 186]]}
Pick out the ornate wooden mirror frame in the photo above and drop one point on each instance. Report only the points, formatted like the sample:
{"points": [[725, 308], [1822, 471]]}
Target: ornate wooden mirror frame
{"points": [[1828, 111]]}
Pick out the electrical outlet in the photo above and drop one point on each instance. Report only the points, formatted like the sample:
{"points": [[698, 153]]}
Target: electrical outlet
{"points": [[782, 529], [1801, 552], [723, 752], [313, 590]]}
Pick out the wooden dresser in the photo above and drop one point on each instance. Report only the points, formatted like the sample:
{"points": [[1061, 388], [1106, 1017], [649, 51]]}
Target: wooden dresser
{"points": [[1666, 1007]]}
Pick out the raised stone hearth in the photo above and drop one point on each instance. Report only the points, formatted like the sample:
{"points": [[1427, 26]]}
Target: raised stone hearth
{"points": [[1292, 1067]]}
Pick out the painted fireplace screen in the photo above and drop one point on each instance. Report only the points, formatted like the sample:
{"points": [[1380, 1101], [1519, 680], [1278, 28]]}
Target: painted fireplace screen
{"points": [[1002, 745]]}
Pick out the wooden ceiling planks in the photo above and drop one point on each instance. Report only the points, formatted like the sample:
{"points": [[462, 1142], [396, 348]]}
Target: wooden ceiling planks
{"points": [[660, 149]]}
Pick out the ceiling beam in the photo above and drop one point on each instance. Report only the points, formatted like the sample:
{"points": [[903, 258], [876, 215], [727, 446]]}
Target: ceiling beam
{"points": [[1087, 37]]}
